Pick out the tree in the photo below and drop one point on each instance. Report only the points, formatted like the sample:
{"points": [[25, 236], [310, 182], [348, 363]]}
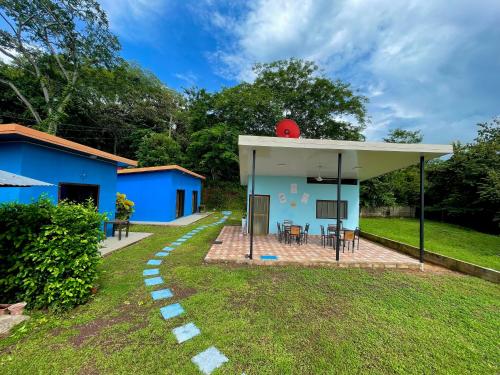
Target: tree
{"points": [[115, 108], [285, 88], [400, 187], [213, 152], [465, 188], [158, 149], [399, 135], [51, 41]]}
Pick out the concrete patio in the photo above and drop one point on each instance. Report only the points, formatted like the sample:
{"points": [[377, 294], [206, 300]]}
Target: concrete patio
{"points": [[111, 244], [235, 246]]}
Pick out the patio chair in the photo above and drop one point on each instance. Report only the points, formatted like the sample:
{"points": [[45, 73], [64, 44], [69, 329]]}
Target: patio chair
{"points": [[280, 232], [305, 233], [295, 233], [325, 237], [349, 237], [357, 232]]}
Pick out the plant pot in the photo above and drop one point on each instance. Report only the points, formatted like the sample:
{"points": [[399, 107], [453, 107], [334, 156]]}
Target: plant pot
{"points": [[17, 308]]}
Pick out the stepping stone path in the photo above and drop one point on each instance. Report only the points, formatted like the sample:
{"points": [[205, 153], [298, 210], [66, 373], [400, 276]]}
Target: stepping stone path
{"points": [[211, 358]]}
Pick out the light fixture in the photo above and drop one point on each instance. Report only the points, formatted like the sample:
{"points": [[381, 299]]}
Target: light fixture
{"points": [[281, 164], [319, 178]]}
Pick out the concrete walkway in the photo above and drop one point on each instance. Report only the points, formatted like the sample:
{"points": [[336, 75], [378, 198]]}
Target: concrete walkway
{"points": [[7, 322], [111, 244], [182, 221]]}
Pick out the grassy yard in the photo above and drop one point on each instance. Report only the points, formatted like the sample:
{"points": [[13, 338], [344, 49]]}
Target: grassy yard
{"points": [[266, 320], [447, 239]]}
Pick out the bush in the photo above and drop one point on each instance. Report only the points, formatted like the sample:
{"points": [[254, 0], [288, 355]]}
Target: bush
{"points": [[49, 254], [224, 195]]}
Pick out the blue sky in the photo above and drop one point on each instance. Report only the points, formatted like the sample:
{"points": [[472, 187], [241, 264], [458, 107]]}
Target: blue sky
{"points": [[429, 65]]}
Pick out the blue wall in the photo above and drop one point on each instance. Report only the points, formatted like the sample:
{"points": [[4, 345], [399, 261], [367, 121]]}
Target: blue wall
{"points": [[154, 193], [302, 213], [55, 166]]}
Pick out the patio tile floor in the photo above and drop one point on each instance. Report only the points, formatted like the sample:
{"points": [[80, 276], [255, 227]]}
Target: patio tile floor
{"points": [[235, 246]]}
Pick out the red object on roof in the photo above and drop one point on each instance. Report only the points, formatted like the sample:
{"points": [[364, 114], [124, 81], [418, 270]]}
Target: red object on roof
{"points": [[287, 128]]}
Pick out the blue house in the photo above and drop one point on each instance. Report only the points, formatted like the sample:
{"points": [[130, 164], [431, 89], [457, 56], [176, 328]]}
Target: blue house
{"points": [[77, 172], [161, 194], [297, 179]]}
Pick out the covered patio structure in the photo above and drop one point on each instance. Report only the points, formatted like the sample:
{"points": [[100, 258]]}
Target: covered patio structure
{"points": [[317, 181]]}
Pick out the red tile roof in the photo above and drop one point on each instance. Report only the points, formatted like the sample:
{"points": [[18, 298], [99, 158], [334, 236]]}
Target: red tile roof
{"points": [[24, 131]]}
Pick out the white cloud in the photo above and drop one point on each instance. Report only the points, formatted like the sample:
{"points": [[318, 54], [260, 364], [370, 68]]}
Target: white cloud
{"points": [[433, 65], [135, 19], [190, 78]]}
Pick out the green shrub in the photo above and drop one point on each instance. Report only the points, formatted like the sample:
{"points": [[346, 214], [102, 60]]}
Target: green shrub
{"points": [[224, 195], [49, 254]]}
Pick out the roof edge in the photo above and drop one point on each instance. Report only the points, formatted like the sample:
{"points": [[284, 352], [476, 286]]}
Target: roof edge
{"points": [[61, 142], [263, 141], [161, 168]]}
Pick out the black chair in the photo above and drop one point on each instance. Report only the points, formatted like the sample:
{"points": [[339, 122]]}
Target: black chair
{"points": [[305, 233], [324, 236], [357, 232]]}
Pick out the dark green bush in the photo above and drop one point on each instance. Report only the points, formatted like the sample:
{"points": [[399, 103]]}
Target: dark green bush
{"points": [[49, 254], [226, 195]]}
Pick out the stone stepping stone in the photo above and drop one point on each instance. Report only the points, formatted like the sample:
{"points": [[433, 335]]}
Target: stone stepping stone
{"points": [[162, 254], [226, 213], [153, 281], [151, 272], [171, 311], [187, 236], [186, 332], [154, 262], [176, 243], [161, 294], [181, 240], [209, 360], [268, 257], [168, 248]]}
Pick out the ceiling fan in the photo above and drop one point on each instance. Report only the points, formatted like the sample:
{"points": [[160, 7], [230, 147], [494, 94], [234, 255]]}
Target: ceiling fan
{"points": [[319, 178]]}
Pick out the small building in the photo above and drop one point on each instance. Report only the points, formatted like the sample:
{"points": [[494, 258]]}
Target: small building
{"points": [[161, 194], [76, 172], [297, 179]]}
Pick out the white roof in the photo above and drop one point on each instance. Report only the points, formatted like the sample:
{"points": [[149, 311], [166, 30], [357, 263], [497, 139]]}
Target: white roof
{"points": [[309, 157], [9, 179]]}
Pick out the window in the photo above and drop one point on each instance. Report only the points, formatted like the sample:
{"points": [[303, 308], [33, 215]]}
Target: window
{"points": [[328, 209], [79, 193]]}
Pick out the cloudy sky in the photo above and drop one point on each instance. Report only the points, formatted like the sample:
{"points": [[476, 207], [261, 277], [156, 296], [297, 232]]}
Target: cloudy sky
{"points": [[429, 65]]}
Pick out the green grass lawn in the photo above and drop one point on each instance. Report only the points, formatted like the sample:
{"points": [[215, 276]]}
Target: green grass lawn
{"points": [[447, 239], [266, 320]]}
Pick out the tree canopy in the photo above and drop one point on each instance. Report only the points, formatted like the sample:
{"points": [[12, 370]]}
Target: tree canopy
{"points": [[49, 42]]}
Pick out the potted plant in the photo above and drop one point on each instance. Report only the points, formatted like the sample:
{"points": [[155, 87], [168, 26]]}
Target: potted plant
{"points": [[124, 207]]}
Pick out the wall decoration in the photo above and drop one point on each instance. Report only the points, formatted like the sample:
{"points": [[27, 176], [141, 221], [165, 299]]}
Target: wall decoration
{"points": [[282, 198], [293, 188], [293, 204], [305, 198]]}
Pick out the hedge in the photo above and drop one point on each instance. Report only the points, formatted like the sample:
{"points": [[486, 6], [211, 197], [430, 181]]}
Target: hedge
{"points": [[225, 195], [49, 253]]}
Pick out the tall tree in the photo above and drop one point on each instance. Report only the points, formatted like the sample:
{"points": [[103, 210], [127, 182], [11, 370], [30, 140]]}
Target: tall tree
{"points": [[52, 41], [465, 188], [287, 88], [400, 187]]}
